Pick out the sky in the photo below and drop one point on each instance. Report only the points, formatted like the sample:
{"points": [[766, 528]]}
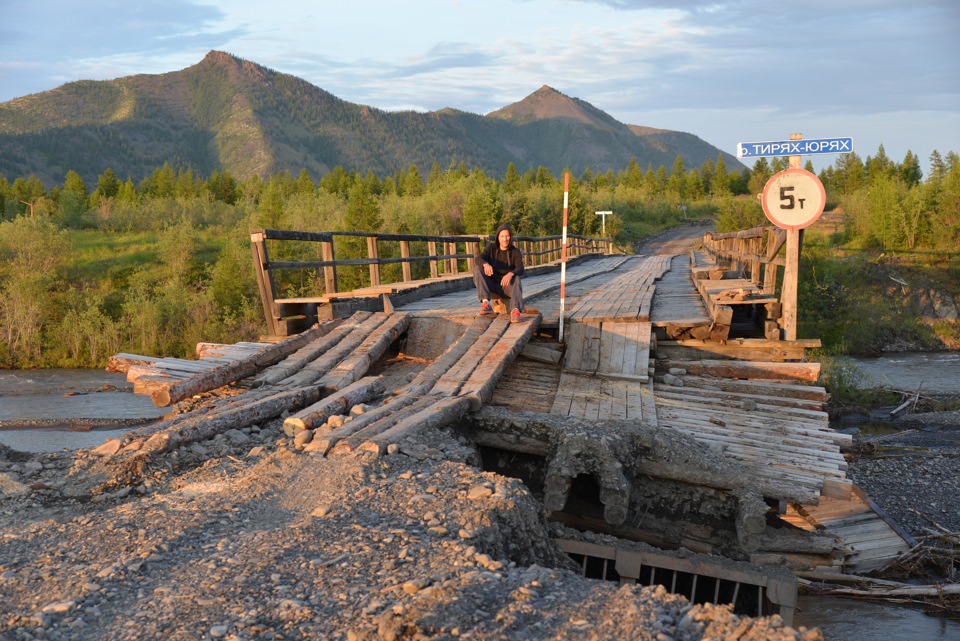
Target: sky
{"points": [[879, 71]]}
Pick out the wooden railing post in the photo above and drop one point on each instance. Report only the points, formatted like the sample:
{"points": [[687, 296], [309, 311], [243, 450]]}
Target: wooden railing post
{"points": [[451, 263], [434, 262], [330, 271], [405, 267], [770, 269], [265, 282], [373, 253], [473, 249]]}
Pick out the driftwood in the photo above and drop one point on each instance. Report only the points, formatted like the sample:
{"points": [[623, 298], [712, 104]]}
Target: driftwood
{"points": [[907, 402], [164, 395], [338, 403], [373, 347], [899, 591]]}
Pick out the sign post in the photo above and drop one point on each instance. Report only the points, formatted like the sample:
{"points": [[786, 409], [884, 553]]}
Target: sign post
{"points": [[792, 199], [603, 219]]}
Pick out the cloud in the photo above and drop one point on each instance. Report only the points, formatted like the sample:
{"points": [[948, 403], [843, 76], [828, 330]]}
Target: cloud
{"points": [[65, 40]]}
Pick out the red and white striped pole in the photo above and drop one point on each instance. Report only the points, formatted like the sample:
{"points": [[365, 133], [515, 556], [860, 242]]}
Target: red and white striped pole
{"points": [[563, 251]]}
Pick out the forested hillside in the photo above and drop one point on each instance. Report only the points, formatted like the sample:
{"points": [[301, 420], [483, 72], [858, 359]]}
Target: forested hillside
{"points": [[225, 114], [89, 270]]}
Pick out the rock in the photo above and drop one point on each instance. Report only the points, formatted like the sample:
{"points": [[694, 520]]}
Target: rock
{"points": [[302, 438], [109, 448], [237, 437], [479, 492], [670, 379], [59, 607]]}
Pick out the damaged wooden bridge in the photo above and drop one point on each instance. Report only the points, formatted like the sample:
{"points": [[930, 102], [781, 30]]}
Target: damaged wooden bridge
{"points": [[672, 415]]}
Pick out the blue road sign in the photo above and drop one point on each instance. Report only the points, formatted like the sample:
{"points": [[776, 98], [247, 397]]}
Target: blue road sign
{"points": [[795, 147]]}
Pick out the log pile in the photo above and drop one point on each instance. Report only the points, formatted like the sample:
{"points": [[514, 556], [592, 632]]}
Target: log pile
{"points": [[319, 374]]}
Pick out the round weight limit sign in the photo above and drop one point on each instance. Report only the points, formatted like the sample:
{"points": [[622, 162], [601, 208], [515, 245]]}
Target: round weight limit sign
{"points": [[793, 198]]}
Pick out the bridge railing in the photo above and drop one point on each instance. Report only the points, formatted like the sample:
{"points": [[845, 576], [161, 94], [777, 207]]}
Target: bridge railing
{"points": [[418, 257], [753, 252], [746, 268]]}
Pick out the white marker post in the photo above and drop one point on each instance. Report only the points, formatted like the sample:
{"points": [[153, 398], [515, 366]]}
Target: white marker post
{"points": [[563, 251], [603, 221]]}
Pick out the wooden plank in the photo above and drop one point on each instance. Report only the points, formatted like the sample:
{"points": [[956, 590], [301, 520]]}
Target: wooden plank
{"points": [[575, 338], [452, 380], [359, 361], [479, 387], [734, 402], [750, 369], [590, 359]]}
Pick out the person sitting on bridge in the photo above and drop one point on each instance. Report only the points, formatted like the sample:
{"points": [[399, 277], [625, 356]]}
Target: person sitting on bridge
{"points": [[497, 271]]}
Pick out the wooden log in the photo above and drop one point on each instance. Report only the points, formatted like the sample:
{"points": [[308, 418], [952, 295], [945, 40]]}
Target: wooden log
{"points": [[738, 349], [263, 409], [450, 383], [786, 390], [230, 372], [322, 443], [310, 352], [439, 414], [427, 378], [479, 387], [313, 371], [408, 406], [748, 369], [722, 314], [338, 403], [751, 520], [736, 399], [372, 348], [556, 489], [230, 350], [121, 363]]}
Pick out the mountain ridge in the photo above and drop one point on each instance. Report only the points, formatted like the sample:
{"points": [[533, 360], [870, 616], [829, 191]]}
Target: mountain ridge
{"points": [[226, 113]]}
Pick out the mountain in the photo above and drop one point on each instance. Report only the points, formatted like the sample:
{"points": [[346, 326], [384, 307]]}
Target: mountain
{"points": [[226, 113]]}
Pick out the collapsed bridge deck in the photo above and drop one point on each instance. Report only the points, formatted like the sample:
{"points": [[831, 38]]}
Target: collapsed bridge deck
{"points": [[653, 421]]}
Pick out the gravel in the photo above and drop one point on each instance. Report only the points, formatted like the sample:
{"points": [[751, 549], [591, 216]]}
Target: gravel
{"points": [[914, 474], [246, 537]]}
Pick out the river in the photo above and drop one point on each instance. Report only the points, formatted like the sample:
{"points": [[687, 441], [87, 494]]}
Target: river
{"points": [[45, 410], [72, 402], [933, 373]]}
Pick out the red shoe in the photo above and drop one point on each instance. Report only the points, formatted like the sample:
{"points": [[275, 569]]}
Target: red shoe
{"points": [[515, 316], [485, 308]]}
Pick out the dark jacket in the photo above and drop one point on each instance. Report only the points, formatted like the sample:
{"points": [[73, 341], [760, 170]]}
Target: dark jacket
{"points": [[502, 260]]}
